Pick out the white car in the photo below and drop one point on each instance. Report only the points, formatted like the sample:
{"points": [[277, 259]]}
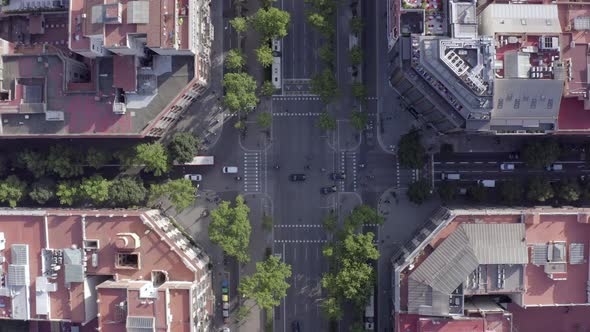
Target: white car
{"points": [[193, 177], [507, 167]]}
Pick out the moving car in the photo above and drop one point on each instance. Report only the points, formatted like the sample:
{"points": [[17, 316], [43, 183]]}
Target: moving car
{"points": [[329, 190], [555, 167], [230, 169], [193, 177], [487, 183], [507, 167], [445, 176], [337, 176], [297, 177]]}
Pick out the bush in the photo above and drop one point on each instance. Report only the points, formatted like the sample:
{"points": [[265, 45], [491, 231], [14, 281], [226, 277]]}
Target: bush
{"points": [[42, 191]]}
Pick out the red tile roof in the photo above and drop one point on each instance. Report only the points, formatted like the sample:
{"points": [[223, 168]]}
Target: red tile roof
{"points": [[125, 72]]}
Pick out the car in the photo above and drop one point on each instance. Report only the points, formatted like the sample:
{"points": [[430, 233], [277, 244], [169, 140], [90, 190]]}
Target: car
{"points": [[507, 167], [230, 169], [555, 167], [224, 298], [297, 177], [337, 176], [225, 314], [193, 177], [225, 329], [225, 306], [329, 190], [295, 326]]}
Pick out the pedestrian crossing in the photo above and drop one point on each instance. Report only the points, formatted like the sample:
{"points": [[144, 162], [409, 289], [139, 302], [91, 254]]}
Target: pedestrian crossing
{"points": [[251, 169], [301, 241], [296, 98], [348, 160], [298, 226], [296, 114]]}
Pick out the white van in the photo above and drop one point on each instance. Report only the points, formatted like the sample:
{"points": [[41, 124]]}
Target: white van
{"points": [[230, 169], [445, 176], [487, 183]]}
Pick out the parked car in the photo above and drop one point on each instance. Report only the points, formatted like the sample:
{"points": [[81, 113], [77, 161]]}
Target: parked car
{"points": [[297, 177], [193, 177], [454, 176], [329, 190], [337, 176]]}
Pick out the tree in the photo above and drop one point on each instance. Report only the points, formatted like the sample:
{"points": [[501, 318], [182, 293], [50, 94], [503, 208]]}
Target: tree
{"points": [[356, 25], [126, 192], [511, 192], [569, 190], [65, 161], [324, 84], [353, 282], [539, 190], [180, 193], [240, 24], [42, 190], [271, 23], [330, 222], [240, 91], [125, 157], [4, 162], [358, 247], [359, 91], [356, 55], [230, 228], [447, 191], [153, 156], [183, 147], [326, 121], [327, 54], [235, 60], [266, 3], [411, 153], [267, 222], [267, 89], [358, 119], [95, 188], [419, 191], [12, 190], [264, 55], [321, 23], [268, 285], [68, 192], [478, 193], [362, 215], [264, 119], [541, 153], [332, 308], [33, 161], [96, 158]]}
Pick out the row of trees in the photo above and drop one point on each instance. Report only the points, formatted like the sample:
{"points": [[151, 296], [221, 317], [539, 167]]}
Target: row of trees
{"points": [[351, 278]]}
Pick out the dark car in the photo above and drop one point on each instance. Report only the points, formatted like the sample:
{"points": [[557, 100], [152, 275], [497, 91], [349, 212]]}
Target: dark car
{"points": [[329, 190], [337, 176], [295, 326], [297, 177]]}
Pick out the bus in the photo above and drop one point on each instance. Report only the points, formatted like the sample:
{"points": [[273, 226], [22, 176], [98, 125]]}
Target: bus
{"points": [[370, 313], [197, 161]]}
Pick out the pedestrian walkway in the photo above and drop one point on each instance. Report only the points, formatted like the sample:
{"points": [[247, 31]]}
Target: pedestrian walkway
{"points": [[295, 225], [252, 171], [296, 114], [301, 241], [307, 97], [348, 166]]}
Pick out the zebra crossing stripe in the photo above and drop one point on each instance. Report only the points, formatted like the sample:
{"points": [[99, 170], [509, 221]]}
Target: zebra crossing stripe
{"points": [[301, 241]]}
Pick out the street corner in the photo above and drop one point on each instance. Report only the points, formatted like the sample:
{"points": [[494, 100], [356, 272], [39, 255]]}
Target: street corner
{"points": [[347, 201], [348, 137], [253, 136], [387, 202]]}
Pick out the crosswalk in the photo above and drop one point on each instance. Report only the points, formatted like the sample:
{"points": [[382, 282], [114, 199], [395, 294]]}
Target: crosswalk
{"points": [[348, 163], [252, 171], [297, 97], [296, 114]]}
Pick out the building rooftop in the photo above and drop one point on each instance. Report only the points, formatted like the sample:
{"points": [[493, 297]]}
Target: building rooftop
{"points": [[446, 275], [121, 264], [499, 18]]}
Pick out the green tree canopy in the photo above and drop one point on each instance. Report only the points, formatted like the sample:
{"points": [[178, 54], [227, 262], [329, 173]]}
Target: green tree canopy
{"points": [[359, 91], [125, 157], [332, 308], [268, 285], [541, 153], [327, 54], [33, 161], [512, 192], [235, 60], [419, 191], [356, 55], [326, 121], [240, 24], [353, 282], [356, 25], [240, 91], [126, 192], [65, 161], [184, 147], [569, 190], [12, 190], [447, 190], [358, 119], [264, 55], [264, 119], [42, 190], [324, 85], [411, 153], [539, 190], [68, 192], [322, 23], [97, 158], [271, 23], [477, 193], [362, 215], [230, 228], [330, 222], [153, 156], [95, 188], [267, 89], [266, 3], [180, 193]]}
